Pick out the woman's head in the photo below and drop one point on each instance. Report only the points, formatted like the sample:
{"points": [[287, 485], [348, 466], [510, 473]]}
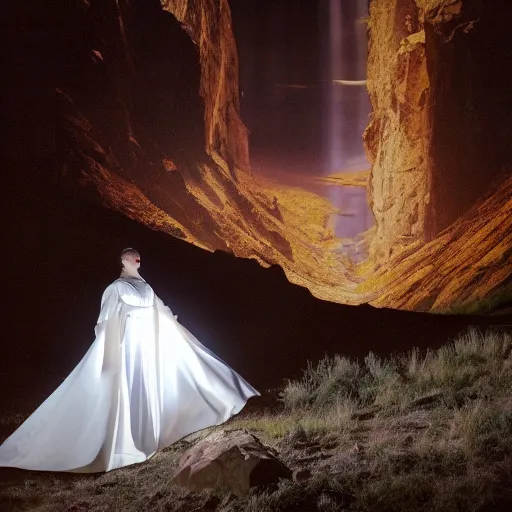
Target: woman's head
{"points": [[130, 258]]}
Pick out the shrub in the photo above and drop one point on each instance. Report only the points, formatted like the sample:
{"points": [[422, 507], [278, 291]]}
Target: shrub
{"points": [[457, 369]]}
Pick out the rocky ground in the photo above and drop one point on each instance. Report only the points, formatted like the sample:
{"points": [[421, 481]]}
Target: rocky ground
{"points": [[423, 431]]}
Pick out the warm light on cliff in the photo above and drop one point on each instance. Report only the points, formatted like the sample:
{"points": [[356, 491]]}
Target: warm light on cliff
{"points": [[159, 137]]}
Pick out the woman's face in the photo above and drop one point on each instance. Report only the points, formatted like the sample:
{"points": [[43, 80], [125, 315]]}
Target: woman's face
{"points": [[133, 259]]}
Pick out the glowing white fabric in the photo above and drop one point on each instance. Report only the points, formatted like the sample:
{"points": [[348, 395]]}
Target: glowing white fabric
{"points": [[143, 384]]}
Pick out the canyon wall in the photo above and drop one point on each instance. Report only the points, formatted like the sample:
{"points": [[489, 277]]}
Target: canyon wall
{"points": [[208, 22], [438, 76], [147, 104], [398, 137], [149, 122], [144, 117], [470, 67]]}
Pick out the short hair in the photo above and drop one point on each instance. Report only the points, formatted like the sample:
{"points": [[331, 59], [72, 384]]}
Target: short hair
{"points": [[129, 250]]}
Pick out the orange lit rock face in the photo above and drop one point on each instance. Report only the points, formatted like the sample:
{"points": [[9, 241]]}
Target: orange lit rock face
{"points": [[397, 138], [467, 268], [134, 125], [149, 123], [439, 131], [209, 24]]}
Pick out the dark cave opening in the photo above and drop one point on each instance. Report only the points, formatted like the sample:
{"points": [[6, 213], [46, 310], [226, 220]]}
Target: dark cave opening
{"points": [[166, 82], [470, 66], [130, 70]]}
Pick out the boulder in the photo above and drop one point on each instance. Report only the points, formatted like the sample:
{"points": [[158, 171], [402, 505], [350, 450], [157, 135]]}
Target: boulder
{"points": [[232, 459]]}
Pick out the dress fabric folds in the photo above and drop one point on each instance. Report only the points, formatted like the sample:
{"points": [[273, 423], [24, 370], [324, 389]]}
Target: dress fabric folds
{"points": [[144, 383]]}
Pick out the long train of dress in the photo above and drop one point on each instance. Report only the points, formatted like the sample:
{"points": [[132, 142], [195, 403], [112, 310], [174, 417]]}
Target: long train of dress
{"points": [[144, 383]]}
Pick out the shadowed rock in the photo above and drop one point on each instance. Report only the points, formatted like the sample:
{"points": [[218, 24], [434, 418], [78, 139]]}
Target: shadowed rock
{"points": [[426, 400], [235, 460]]}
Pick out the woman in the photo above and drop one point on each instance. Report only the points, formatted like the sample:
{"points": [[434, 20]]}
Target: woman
{"points": [[144, 383]]}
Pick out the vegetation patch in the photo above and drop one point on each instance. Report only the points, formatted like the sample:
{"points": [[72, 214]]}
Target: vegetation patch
{"points": [[423, 431]]}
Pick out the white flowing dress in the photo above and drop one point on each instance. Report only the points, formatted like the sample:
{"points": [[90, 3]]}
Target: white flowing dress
{"points": [[143, 384]]}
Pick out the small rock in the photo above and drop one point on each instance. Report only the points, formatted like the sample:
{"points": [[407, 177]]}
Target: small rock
{"points": [[424, 400], [235, 460], [300, 475]]}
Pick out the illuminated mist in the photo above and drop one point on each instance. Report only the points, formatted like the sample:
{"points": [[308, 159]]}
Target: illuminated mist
{"points": [[347, 109], [302, 73], [347, 100]]}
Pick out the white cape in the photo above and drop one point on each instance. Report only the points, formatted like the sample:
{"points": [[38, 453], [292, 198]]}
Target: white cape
{"points": [[143, 384]]}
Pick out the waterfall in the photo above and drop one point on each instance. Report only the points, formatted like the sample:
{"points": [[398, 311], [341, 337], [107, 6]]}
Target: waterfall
{"points": [[346, 107]]}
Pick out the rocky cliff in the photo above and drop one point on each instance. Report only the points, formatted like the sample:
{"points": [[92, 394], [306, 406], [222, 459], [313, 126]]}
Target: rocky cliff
{"points": [[439, 72], [146, 99], [152, 123], [467, 268], [397, 139], [438, 76], [148, 122], [208, 22]]}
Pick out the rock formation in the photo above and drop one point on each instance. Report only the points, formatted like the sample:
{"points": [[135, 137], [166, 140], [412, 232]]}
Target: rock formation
{"points": [[438, 72], [148, 122], [467, 268], [397, 138], [208, 22]]}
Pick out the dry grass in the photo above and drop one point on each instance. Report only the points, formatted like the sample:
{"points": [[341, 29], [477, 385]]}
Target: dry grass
{"points": [[422, 431], [472, 365]]}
